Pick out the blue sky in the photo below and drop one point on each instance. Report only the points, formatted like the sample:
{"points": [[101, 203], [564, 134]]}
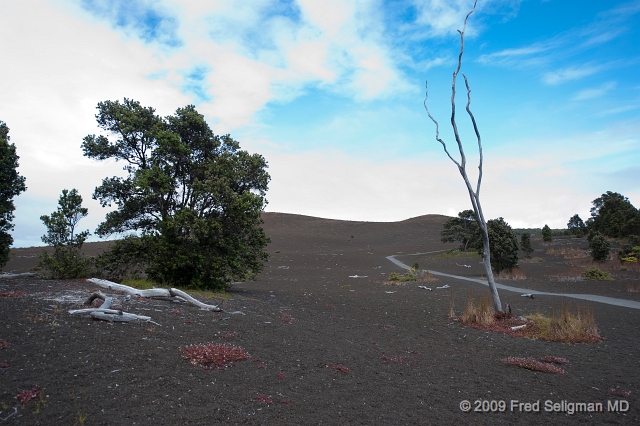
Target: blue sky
{"points": [[331, 93]]}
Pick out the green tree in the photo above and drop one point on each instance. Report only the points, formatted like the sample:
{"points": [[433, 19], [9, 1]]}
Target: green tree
{"points": [[66, 260], [576, 226], [547, 234], [614, 216], [525, 244], [11, 184], [194, 197], [464, 229], [599, 245], [503, 245]]}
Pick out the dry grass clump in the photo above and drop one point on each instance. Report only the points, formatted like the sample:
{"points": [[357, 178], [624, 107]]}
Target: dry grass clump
{"points": [[480, 313], [568, 252], [533, 364], [571, 274], [516, 274], [412, 275], [564, 326], [633, 288]]}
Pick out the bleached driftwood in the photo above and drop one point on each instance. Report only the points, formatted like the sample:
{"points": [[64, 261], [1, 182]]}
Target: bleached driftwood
{"points": [[171, 293], [105, 313], [22, 274]]}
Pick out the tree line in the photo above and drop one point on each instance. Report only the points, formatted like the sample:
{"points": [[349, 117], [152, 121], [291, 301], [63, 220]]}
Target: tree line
{"points": [[612, 216], [189, 207]]}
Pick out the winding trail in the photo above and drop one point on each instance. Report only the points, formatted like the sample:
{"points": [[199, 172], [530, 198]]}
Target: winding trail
{"points": [[589, 297]]}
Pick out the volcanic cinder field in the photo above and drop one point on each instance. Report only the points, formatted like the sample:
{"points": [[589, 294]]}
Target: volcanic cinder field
{"points": [[329, 341]]}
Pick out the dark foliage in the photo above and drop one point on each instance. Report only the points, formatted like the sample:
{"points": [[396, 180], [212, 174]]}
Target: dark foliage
{"points": [[464, 229], [525, 244], [11, 184], [577, 226], [195, 197], [547, 234], [503, 243], [614, 216], [599, 245], [66, 260]]}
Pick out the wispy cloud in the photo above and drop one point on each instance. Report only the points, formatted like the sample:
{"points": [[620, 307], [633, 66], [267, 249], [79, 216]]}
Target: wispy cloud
{"points": [[570, 73], [594, 92]]}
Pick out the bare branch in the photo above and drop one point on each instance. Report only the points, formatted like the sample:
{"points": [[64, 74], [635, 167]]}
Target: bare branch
{"points": [[475, 128], [426, 96]]}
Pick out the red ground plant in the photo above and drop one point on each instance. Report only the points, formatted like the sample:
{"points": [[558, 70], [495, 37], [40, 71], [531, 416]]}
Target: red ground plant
{"points": [[4, 344], [623, 393], [554, 359], [533, 365], [25, 396], [286, 318], [281, 375], [10, 294], [262, 399], [341, 368], [211, 356]]}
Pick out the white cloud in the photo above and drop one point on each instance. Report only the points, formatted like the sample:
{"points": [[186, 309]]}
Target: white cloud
{"points": [[595, 92], [570, 73]]}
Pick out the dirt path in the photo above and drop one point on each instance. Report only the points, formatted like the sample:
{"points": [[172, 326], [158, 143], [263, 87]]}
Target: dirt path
{"points": [[590, 297]]}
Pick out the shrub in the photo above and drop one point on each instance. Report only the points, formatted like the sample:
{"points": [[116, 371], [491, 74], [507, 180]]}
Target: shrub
{"points": [[525, 244], [595, 274], [547, 235], [410, 275], [214, 356], [503, 244], [66, 260], [600, 247], [11, 185]]}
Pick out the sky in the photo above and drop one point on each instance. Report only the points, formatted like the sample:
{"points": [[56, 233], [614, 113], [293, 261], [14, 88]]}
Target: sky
{"points": [[331, 93]]}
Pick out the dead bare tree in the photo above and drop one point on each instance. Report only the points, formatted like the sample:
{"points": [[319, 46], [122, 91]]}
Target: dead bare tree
{"points": [[474, 195]]}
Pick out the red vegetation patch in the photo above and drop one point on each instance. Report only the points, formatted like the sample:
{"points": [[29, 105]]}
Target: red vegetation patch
{"points": [[533, 364], [623, 393], [286, 318], [341, 368], [5, 364], [25, 396], [554, 359], [4, 344], [212, 356], [395, 359], [227, 336], [281, 375], [262, 399], [262, 366], [10, 294], [175, 311]]}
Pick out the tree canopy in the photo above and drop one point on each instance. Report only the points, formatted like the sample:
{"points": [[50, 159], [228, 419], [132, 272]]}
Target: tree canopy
{"points": [[11, 184], [195, 197], [614, 216], [503, 245], [66, 260], [576, 226], [464, 229]]}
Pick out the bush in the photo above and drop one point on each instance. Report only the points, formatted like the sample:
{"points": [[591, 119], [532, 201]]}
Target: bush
{"points": [[503, 243], [11, 184], [66, 260], [547, 235], [600, 247], [595, 274], [525, 244]]}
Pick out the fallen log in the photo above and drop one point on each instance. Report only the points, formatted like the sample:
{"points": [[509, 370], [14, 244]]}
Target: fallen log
{"points": [[173, 293], [105, 313], [22, 274]]}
